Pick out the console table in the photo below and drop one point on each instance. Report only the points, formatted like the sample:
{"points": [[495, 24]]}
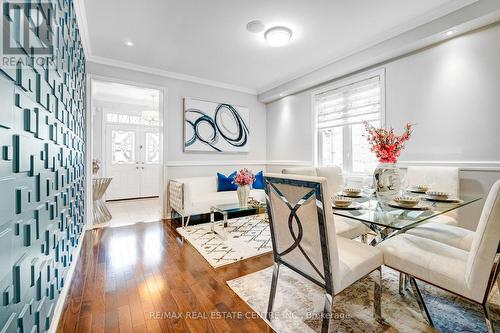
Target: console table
{"points": [[101, 212]]}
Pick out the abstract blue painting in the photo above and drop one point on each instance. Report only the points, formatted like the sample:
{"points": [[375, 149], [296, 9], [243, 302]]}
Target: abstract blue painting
{"points": [[215, 127]]}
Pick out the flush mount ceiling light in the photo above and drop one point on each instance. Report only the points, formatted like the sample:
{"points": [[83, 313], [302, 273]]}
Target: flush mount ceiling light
{"points": [[129, 43], [449, 33], [278, 36]]}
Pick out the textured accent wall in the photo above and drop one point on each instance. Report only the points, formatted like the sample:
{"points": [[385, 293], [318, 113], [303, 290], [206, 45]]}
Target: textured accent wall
{"points": [[42, 144]]}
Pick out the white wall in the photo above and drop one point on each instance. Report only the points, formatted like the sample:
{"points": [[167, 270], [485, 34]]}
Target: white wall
{"points": [[181, 164], [450, 91]]}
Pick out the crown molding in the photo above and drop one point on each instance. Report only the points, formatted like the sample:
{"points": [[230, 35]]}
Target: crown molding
{"points": [[420, 20], [475, 16], [167, 74], [81, 18]]}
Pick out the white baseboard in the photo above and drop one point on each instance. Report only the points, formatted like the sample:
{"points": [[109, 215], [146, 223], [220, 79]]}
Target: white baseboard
{"points": [[64, 293]]}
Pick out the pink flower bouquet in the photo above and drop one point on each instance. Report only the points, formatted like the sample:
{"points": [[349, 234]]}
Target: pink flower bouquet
{"points": [[244, 177], [385, 144]]}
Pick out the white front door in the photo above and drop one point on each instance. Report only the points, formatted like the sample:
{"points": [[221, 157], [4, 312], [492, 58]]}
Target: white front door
{"points": [[133, 159]]}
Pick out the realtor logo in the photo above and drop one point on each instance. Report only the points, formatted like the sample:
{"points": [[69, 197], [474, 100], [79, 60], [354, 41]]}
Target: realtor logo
{"points": [[27, 31]]}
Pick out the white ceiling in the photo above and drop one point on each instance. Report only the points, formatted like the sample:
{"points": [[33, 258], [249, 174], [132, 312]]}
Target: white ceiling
{"points": [[208, 39]]}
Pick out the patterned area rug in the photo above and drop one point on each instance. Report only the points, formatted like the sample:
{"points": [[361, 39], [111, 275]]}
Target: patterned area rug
{"points": [[298, 305], [248, 237]]}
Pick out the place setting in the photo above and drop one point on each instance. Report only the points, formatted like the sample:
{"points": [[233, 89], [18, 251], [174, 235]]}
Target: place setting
{"points": [[408, 202], [351, 192], [441, 197], [344, 202]]}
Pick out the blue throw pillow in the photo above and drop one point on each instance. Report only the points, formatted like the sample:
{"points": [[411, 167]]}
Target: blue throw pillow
{"points": [[226, 183], [258, 184]]}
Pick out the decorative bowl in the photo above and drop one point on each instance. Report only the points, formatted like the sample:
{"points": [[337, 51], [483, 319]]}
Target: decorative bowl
{"points": [[422, 188], [341, 201], [352, 191], [438, 195], [407, 201]]}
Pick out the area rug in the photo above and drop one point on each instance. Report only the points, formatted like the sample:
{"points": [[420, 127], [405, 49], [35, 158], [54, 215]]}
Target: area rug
{"points": [[248, 237], [299, 303]]}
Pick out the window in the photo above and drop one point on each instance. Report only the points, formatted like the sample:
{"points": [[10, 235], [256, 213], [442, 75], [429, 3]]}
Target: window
{"points": [[122, 147], [340, 111]]}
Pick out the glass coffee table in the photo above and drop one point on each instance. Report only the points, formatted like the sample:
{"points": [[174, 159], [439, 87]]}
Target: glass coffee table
{"points": [[387, 221], [227, 209]]}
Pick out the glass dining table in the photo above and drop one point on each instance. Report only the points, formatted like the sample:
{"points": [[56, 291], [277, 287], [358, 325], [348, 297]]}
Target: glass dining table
{"points": [[387, 221]]}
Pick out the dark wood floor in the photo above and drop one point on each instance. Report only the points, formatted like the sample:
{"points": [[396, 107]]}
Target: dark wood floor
{"points": [[144, 278]]}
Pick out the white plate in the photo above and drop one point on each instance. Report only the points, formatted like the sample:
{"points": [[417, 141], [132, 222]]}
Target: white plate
{"points": [[419, 206], [449, 199], [353, 205]]}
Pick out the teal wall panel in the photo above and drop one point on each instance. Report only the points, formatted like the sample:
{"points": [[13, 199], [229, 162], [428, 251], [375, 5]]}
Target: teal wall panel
{"points": [[42, 167]]}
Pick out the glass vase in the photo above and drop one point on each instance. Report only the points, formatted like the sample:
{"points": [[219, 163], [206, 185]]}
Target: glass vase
{"points": [[387, 181], [243, 193]]}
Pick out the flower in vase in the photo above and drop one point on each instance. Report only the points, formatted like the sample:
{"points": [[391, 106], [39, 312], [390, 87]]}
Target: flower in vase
{"points": [[244, 177], [386, 145]]}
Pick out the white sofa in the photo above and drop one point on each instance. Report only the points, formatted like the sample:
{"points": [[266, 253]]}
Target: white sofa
{"points": [[195, 195]]}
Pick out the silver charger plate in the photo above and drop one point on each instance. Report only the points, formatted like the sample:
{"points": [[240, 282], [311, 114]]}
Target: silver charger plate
{"points": [[419, 206], [456, 200], [353, 205], [343, 194], [416, 190]]}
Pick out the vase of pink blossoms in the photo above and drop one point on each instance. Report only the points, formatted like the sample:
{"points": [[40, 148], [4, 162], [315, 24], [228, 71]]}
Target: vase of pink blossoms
{"points": [[387, 147], [244, 179]]}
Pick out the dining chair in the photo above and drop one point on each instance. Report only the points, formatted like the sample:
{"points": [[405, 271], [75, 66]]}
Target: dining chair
{"points": [[304, 240], [345, 227], [470, 274], [443, 179]]}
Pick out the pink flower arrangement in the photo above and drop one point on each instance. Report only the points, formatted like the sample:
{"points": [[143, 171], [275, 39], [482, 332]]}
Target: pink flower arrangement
{"points": [[244, 177], [385, 144]]}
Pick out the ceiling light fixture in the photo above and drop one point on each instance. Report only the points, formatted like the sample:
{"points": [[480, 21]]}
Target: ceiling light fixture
{"points": [[449, 33], [278, 36], [129, 43], [255, 26]]}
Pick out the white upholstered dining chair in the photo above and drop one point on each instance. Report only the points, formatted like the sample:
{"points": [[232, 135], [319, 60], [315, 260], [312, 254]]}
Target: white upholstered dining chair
{"points": [[304, 240], [345, 227], [470, 274], [443, 179]]}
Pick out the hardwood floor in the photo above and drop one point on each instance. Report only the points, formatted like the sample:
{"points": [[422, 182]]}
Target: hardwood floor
{"points": [[144, 278]]}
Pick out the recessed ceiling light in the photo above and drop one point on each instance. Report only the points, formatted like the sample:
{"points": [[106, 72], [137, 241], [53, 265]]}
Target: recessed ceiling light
{"points": [[255, 26], [129, 43], [278, 36], [449, 33]]}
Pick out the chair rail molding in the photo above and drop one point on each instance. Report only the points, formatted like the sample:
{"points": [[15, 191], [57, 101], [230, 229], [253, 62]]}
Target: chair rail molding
{"points": [[462, 165], [290, 162], [178, 164]]}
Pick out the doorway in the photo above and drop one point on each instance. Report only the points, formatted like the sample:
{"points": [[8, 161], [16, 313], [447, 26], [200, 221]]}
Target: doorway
{"points": [[127, 149]]}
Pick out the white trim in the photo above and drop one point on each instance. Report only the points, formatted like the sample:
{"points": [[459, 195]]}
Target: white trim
{"points": [[177, 164], [290, 163], [163, 120], [81, 19], [168, 74], [462, 165], [420, 20], [64, 292]]}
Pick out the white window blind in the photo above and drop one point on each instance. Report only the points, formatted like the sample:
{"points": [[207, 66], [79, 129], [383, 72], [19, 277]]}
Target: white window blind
{"points": [[340, 113]]}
